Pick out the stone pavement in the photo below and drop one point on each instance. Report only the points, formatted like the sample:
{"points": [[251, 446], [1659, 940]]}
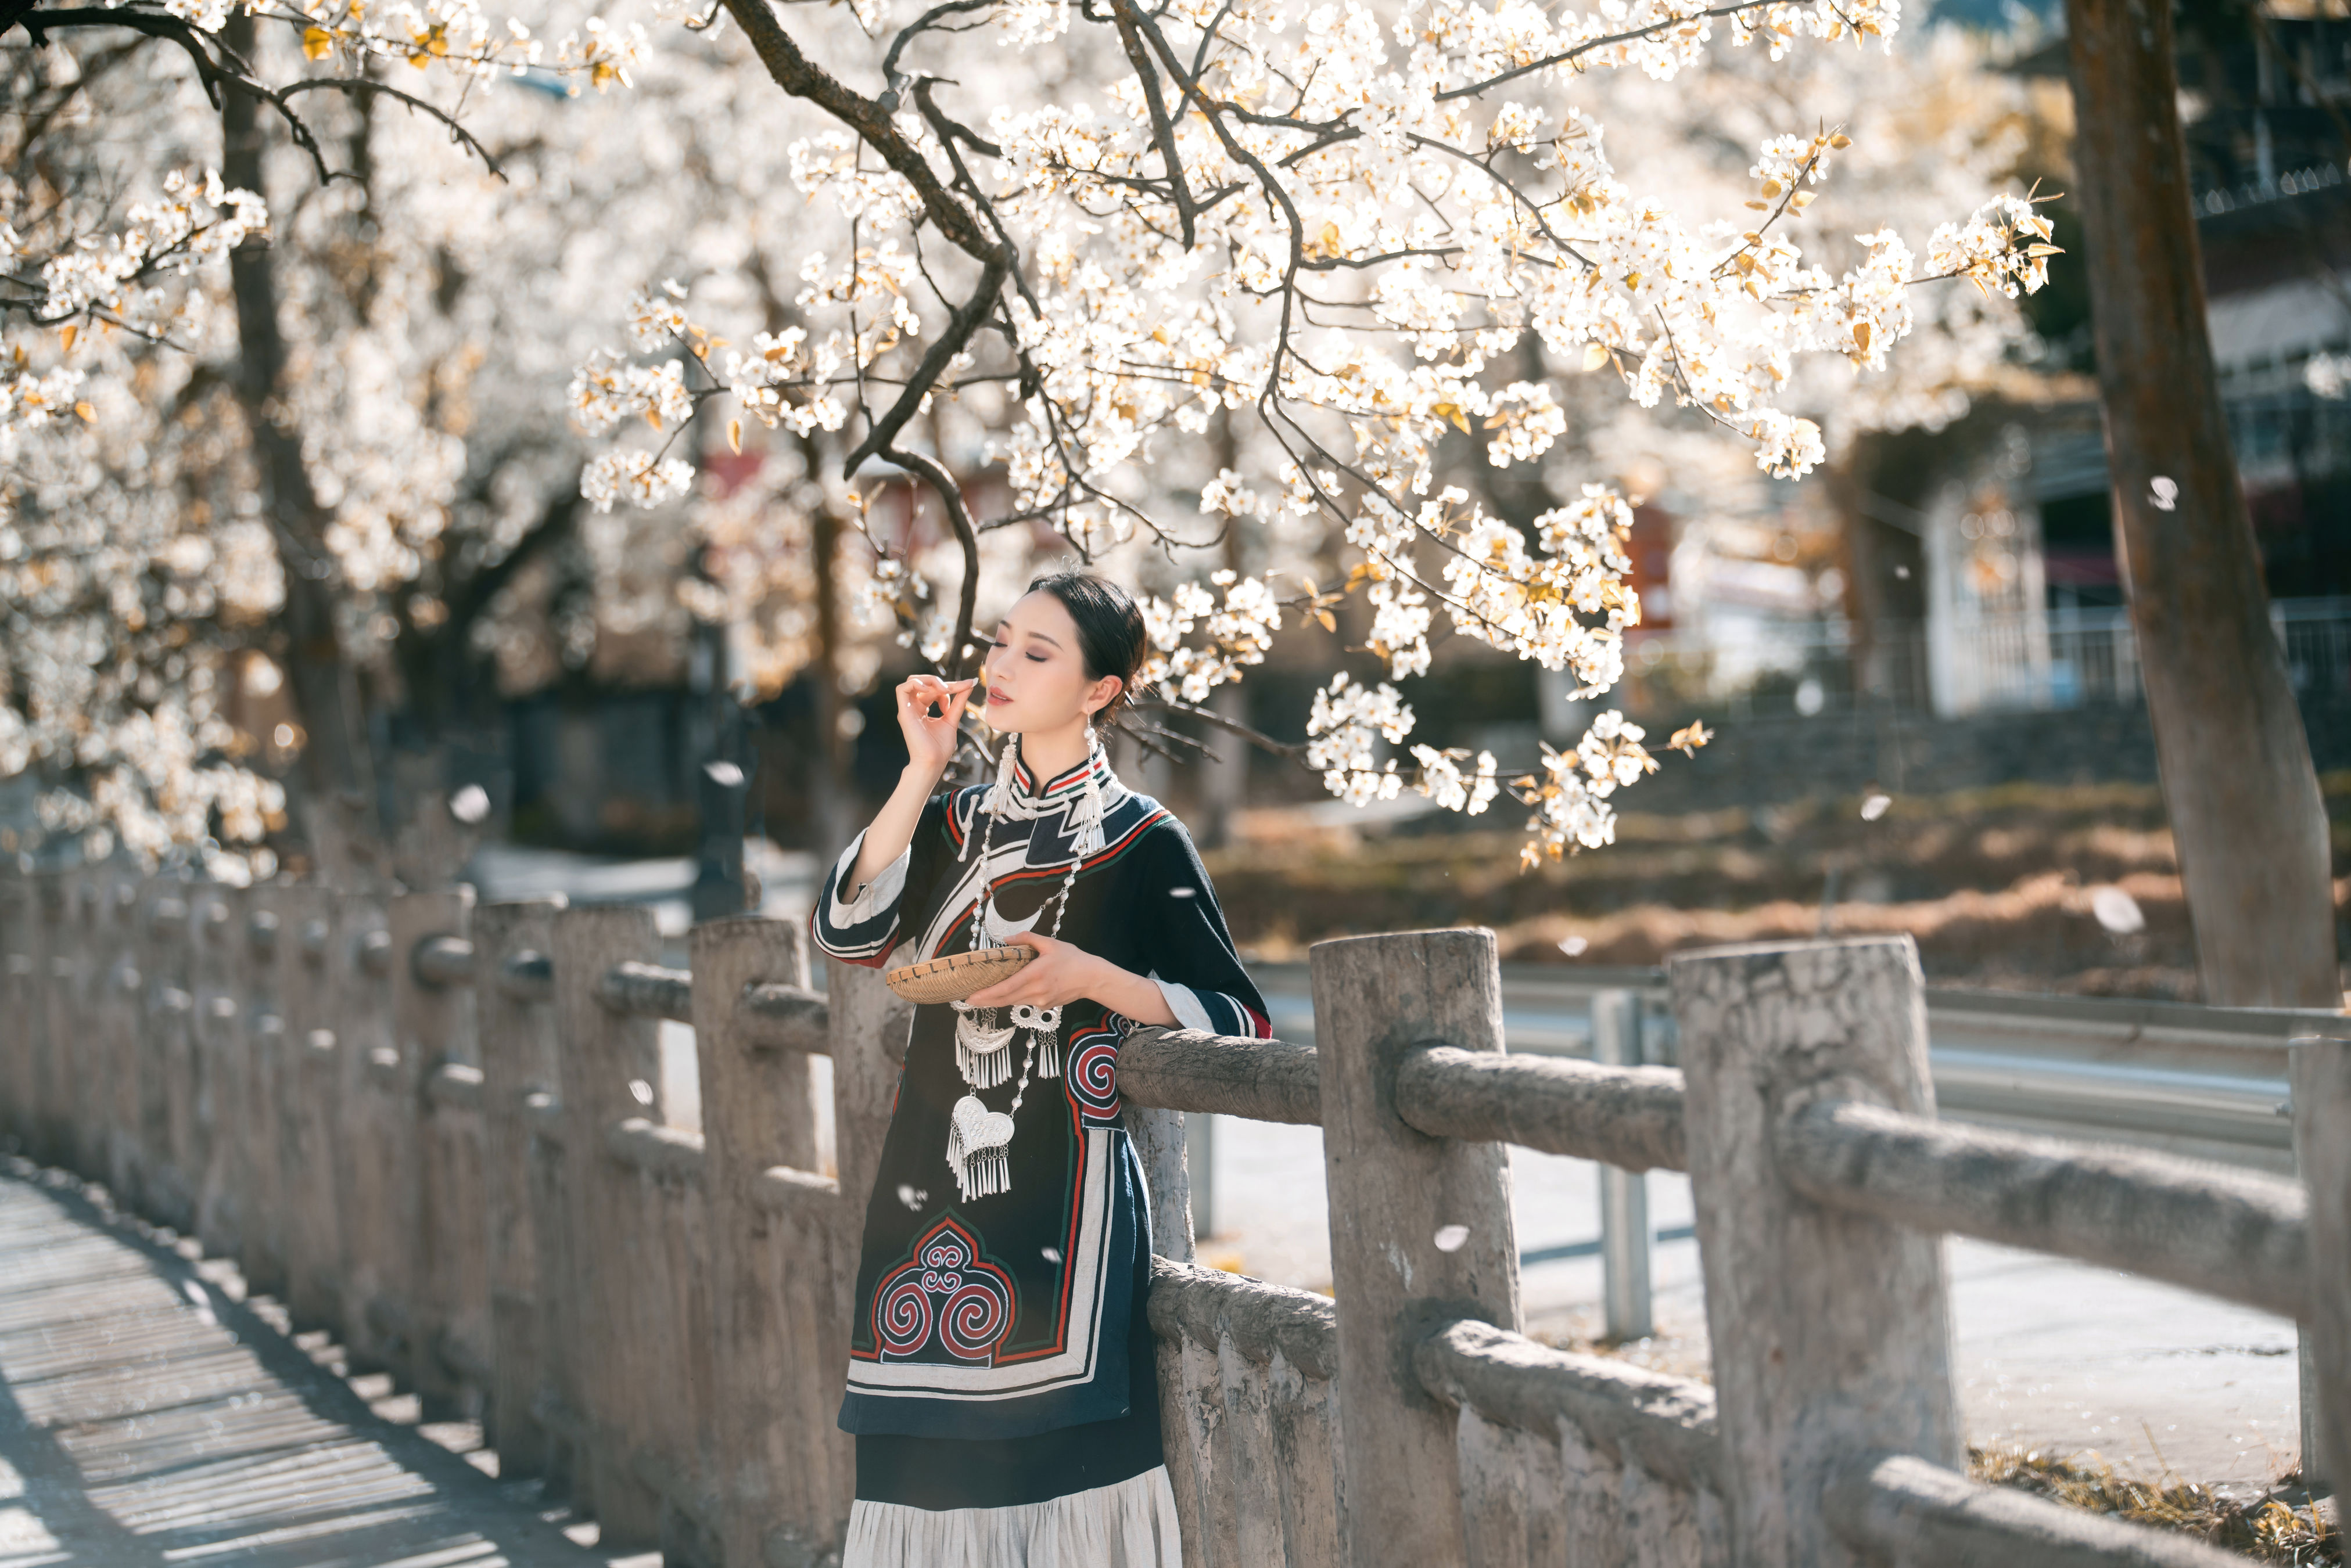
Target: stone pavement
{"points": [[150, 1416]]}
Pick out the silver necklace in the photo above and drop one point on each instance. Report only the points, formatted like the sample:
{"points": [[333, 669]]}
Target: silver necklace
{"points": [[978, 1139]]}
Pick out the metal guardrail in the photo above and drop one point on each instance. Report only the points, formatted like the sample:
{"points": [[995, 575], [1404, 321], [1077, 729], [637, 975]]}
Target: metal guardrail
{"points": [[2203, 1082]]}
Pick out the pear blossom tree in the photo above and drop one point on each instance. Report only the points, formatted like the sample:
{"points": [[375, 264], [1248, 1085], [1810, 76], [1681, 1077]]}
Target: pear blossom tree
{"points": [[1331, 225], [195, 462], [428, 303]]}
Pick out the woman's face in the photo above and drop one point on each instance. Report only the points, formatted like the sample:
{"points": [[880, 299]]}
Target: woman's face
{"points": [[1036, 675]]}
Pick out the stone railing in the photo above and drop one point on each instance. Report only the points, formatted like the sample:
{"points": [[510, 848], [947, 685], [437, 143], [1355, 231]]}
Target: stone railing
{"points": [[439, 1131]]}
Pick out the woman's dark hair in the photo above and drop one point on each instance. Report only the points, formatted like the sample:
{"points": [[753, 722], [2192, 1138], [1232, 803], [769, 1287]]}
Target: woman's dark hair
{"points": [[1111, 639]]}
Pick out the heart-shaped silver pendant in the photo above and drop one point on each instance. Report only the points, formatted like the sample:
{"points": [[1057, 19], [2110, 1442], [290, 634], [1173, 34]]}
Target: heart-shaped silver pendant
{"points": [[979, 1147]]}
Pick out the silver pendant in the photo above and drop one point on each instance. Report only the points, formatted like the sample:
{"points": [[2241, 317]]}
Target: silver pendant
{"points": [[980, 1148], [1044, 1025], [980, 1054]]}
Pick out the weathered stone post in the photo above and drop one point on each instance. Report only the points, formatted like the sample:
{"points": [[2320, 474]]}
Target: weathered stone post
{"points": [[602, 1052], [167, 1057], [1420, 1229], [221, 1068], [20, 947], [1829, 1329], [779, 1347], [264, 1259], [448, 1291], [516, 1035], [2322, 1109], [309, 1085], [869, 1026], [378, 1174], [115, 1038], [69, 938]]}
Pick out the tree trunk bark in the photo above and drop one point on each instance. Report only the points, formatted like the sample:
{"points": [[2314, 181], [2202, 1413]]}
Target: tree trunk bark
{"points": [[335, 760], [2237, 776]]}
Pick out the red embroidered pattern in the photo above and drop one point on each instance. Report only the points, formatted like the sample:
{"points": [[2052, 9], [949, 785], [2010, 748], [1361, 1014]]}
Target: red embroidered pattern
{"points": [[948, 1289]]}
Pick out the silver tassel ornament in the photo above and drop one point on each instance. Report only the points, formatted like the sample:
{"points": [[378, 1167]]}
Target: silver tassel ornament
{"points": [[980, 1054], [980, 1148]]}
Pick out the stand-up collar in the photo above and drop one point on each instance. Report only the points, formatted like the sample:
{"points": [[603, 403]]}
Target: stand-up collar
{"points": [[1068, 784]]}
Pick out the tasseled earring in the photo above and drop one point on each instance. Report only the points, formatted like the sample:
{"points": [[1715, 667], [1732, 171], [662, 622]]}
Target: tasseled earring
{"points": [[1091, 840]]}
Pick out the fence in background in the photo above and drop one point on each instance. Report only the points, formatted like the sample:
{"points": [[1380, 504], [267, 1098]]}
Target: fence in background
{"points": [[438, 1130], [2055, 658]]}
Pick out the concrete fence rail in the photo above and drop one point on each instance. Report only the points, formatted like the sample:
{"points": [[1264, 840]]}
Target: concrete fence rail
{"points": [[440, 1132]]}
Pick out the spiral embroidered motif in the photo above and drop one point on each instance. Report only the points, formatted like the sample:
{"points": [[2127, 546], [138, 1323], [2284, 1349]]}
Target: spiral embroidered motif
{"points": [[1093, 1075], [946, 1286]]}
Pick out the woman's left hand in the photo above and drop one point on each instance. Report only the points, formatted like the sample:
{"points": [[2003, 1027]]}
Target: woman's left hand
{"points": [[1061, 974]]}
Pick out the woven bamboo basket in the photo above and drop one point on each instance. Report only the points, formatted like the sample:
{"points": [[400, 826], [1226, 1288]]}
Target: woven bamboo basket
{"points": [[957, 975]]}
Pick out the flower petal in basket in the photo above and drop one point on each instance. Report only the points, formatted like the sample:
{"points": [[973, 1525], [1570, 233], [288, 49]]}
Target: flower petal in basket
{"points": [[957, 975]]}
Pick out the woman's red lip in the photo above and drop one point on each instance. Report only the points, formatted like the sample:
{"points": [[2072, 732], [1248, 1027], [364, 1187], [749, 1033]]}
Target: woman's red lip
{"points": [[996, 696]]}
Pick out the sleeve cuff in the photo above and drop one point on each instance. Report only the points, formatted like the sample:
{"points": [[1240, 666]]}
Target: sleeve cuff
{"points": [[1185, 1006], [878, 894]]}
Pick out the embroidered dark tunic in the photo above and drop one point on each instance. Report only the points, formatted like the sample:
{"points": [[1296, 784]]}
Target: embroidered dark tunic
{"points": [[1018, 1315]]}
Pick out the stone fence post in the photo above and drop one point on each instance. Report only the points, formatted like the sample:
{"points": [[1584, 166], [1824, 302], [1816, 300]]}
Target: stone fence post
{"points": [[514, 1035], [1421, 1232], [1829, 1329], [609, 1063]]}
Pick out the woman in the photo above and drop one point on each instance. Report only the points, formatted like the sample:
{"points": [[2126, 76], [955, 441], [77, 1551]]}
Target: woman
{"points": [[1002, 1381]]}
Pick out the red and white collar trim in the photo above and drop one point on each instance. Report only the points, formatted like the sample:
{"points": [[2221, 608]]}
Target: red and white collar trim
{"points": [[1069, 781]]}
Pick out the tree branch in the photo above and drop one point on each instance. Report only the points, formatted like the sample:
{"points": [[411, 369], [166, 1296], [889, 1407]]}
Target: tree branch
{"points": [[804, 78]]}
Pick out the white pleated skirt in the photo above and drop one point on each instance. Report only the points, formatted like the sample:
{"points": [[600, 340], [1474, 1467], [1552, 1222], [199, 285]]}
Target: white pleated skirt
{"points": [[1127, 1524]]}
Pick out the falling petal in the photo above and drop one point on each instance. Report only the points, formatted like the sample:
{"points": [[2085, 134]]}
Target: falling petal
{"points": [[912, 1197], [1875, 804], [470, 805], [1450, 1238], [1572, 946], [641, 1091], [1052, 1254], [2117, 911]]}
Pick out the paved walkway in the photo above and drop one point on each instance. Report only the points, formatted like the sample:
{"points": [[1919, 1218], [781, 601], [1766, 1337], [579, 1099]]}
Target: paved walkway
{"points": [[148, 1418]]}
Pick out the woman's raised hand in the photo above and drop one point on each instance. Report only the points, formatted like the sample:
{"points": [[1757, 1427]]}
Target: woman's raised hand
{"points": [[931, 743]]}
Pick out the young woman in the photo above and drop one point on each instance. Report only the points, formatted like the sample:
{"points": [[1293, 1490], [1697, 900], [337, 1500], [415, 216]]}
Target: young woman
{"points": [[1002, 1378]]}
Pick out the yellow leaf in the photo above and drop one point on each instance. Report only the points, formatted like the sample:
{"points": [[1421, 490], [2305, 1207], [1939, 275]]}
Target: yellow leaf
{"points": [[1761, 206], [1595, 356], [1840, 140], [1331, 240], [317, 43], [1452, 412], [652, 418], [88, 414], [1771, 187], [1632, 280], [1801, 200], [1329, 624], [1861, 336], [734, 437], [69, 334], [2039, 250]]}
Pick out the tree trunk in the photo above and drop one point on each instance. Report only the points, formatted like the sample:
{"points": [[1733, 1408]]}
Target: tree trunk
{"points": [[335, 760], [2237, 776], [832, 786]]}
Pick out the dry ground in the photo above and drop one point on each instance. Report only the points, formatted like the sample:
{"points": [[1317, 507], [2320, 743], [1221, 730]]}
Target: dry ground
{"points": [[1995, 884]]}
